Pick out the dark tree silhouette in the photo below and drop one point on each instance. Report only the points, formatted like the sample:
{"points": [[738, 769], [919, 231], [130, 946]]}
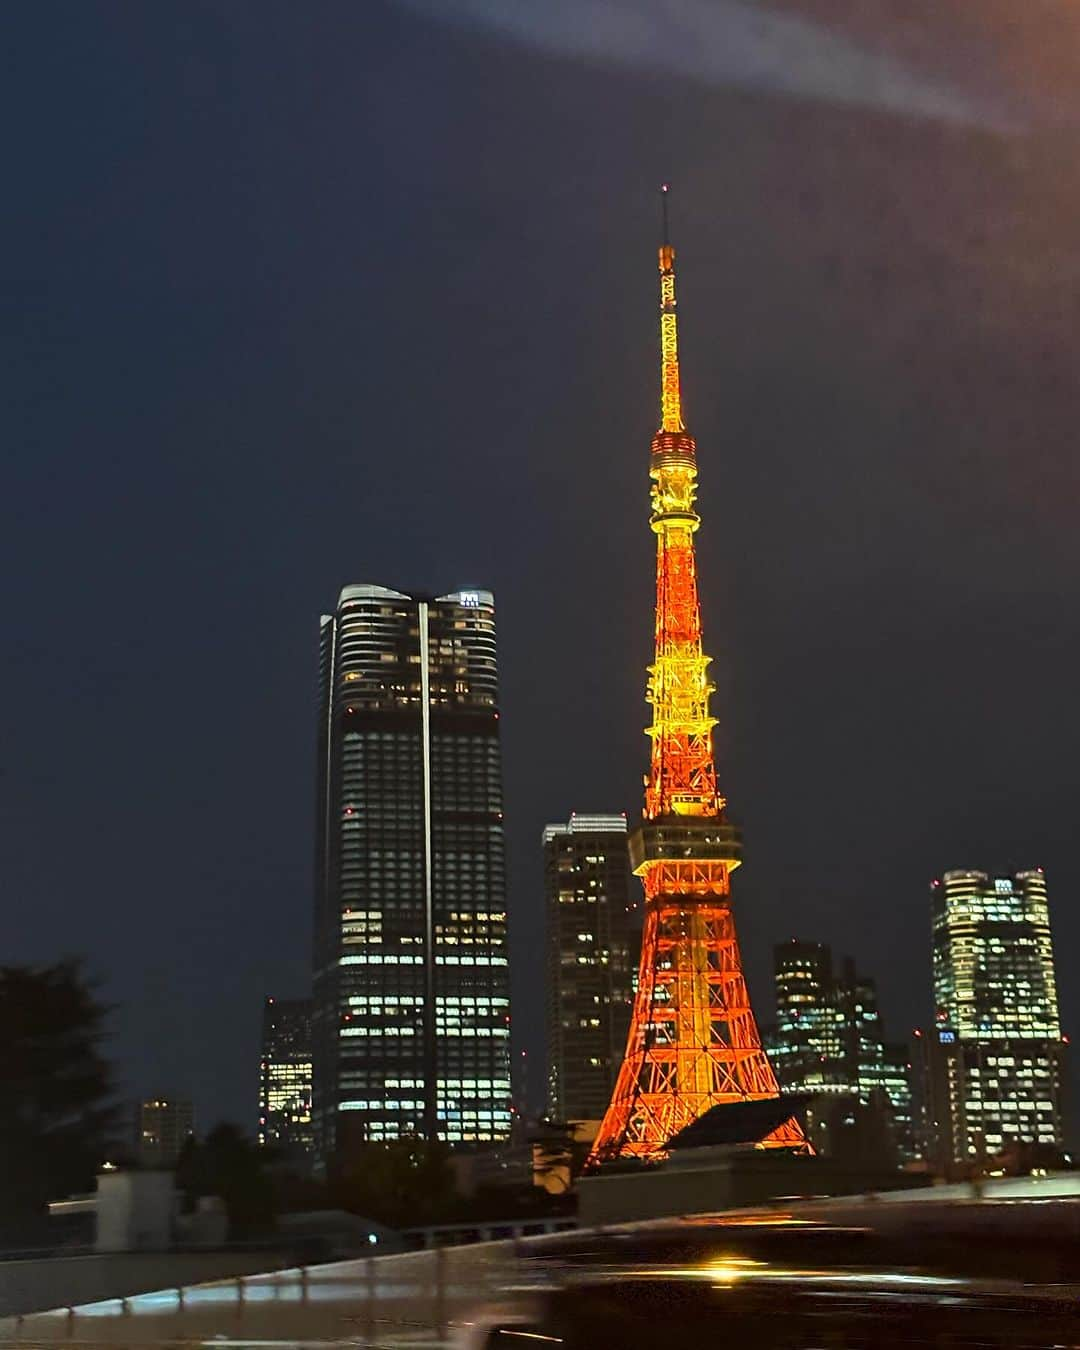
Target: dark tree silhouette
{"points": [[228, 1164], [57, 1115], [402, 1182]]}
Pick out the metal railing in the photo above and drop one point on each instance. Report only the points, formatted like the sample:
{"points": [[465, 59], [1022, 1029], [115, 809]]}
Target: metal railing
{"points": [[420, 1298], [416, 1298]]}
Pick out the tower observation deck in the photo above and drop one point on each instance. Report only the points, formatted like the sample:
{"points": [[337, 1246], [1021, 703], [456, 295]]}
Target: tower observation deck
{"points": [[693, 1042]]}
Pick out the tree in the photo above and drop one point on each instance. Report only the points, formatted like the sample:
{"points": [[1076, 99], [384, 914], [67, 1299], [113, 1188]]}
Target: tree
{"points": [[402, 1182], [57, 1114], [228, 1164]]}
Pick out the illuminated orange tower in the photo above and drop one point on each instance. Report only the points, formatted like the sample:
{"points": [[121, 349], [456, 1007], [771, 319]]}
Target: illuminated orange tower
{"points": [[693, 1041]]}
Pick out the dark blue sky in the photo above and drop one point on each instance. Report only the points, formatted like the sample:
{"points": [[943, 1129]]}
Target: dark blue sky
{"points": [[304, 295]]}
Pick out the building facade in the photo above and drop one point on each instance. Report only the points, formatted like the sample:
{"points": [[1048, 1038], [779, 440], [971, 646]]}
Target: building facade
{"points": [[163, 1125], [285, 1075], [591, 960], [882, 1069], [993, 956], [829, 1040], [994, 1059], [806, 1043], [411, 1018]]}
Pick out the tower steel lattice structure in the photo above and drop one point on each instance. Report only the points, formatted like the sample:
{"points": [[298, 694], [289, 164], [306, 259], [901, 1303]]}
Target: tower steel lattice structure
{"points": [[693, 1042]]}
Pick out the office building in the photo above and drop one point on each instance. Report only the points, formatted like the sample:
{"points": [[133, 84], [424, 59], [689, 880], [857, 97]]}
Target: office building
{"points": [[163, 1125], [806, 1044], [285, 1076], [411, 1017], [993, 1062], [993, 957], [828, 1040], [882, 1069], [591, 960]]}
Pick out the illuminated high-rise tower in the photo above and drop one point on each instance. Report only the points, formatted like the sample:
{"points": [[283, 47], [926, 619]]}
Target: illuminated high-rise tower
{"points": [[693, 1041], [993, 958], [285, 1076], [994, 1062], [411, 1013], [829, 1041]]}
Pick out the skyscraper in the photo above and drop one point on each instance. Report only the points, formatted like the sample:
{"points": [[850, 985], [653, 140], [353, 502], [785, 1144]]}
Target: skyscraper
{"points": [[411, 1020], [829, 1040], [285, 1075], [993, 1061], [806, 1044], [693, 1043], [590, 961], [881, 1069], [163, 1125], [993, 957]]}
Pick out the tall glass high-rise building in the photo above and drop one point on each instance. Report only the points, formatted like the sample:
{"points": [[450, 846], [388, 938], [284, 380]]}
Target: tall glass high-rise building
{"points": [[994, 1060], [806, 1045], [593, 945], [285, 1075], [829, 1040], [993, 958], [411, 1021]]}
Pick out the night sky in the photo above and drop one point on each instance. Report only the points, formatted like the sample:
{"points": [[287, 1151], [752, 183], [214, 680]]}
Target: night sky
{"points": [[307, 294]]}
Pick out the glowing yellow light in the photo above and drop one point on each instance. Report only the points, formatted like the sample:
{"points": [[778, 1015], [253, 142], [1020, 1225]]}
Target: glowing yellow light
{"points": [[730, 1268], [670, 395]]}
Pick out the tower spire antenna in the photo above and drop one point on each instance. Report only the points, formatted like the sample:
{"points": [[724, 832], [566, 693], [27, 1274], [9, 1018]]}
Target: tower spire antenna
{"points": [[670, 391]]}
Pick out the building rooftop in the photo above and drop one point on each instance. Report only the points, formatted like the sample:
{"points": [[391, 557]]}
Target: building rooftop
{"points": [[581, 823]]}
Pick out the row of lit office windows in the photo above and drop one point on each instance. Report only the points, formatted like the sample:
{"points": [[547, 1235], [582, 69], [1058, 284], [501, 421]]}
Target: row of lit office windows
{"points": [[492, 1087], [375, 1001]]}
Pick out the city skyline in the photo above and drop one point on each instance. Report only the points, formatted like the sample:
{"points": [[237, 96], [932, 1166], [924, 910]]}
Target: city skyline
{"points": [[311, 304]]}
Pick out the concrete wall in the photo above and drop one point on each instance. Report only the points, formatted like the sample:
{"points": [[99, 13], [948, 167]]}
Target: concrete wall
{"points": [[702, 1181], [68, 1281], [135, 1211]]}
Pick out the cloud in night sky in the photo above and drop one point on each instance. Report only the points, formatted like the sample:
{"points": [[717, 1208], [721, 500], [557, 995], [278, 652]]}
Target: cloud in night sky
{"points": [[723, 42]]}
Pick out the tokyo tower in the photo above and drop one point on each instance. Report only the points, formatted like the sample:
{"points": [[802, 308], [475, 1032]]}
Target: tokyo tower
{"points": [[693, 1041]]}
